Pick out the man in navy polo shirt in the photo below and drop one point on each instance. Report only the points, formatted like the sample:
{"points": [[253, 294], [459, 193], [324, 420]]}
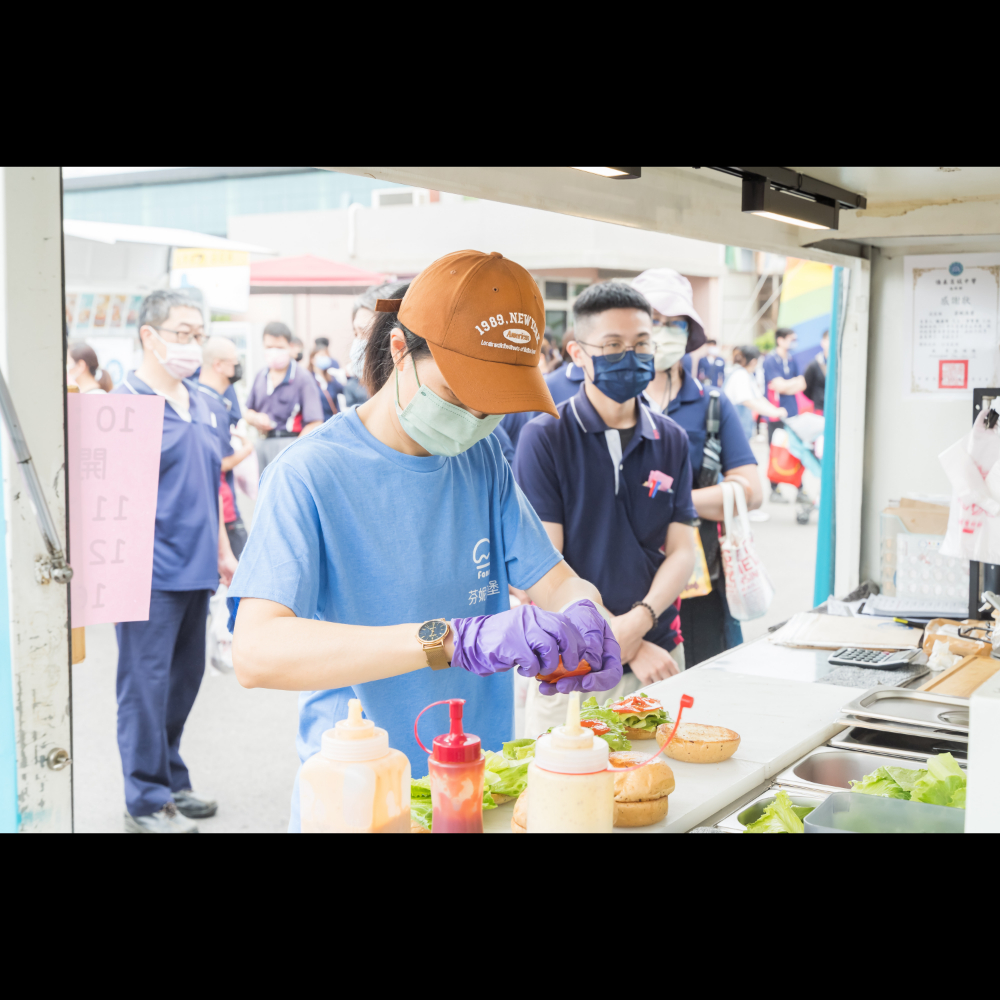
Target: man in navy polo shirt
{"points": [[783, 379], [564, 382], [611, 481], [218, 373], [161, 661], [711, 368], [282, 391]]}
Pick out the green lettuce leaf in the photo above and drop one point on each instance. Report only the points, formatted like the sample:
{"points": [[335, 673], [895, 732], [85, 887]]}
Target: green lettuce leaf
{"points": [[519, 749], [781, 816], [905, 777], [420, 788], [616, 739], [421, 811], [941, 783], [881, 782], [506, 777]]}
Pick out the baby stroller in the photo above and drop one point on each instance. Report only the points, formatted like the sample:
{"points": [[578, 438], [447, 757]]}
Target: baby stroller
{"points": [[804, 442]]}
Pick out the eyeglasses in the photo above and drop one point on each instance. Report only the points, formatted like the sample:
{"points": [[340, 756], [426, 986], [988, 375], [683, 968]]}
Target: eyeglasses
{"points": [[615, 350], [183, 336]]}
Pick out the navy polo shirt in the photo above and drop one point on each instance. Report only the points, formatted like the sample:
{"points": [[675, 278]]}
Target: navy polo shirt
{"points": [[690, 407], [777, 367], [563, 383], [297, 388], [221, 407], [712, 370], [613, 531], [186, 535]]}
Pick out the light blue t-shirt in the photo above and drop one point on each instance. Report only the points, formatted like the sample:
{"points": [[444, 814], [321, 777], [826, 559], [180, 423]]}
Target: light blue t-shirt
{"points": [[347, 530]]}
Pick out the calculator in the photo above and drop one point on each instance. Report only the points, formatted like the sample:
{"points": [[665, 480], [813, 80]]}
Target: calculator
{"points": [[850, 656]]}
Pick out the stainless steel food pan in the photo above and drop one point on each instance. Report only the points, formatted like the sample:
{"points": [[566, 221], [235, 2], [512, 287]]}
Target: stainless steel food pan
{"points": [[913, 708]]}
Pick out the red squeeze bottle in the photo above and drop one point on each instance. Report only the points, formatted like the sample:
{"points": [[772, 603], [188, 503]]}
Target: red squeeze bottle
{"points": [[457, 770]]}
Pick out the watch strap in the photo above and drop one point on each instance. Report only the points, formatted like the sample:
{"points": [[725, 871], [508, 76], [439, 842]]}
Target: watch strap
{"points": [[437, 658]]}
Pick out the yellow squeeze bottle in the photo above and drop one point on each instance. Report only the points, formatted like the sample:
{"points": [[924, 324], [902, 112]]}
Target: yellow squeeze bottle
{"points": [[356, 783], [571, 788]]}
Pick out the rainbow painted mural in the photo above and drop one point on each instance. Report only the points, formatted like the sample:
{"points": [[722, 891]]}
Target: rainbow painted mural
{"points": [[806, 302]]}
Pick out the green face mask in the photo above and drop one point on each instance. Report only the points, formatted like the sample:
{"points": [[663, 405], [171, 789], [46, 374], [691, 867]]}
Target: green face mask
{"points": [[441, 427]]}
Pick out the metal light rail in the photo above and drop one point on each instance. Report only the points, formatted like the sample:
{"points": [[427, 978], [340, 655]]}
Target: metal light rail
{"points": [[60, 569]]}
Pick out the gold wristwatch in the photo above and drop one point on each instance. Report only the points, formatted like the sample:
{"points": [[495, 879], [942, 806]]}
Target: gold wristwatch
{"points": [[431, 636]]}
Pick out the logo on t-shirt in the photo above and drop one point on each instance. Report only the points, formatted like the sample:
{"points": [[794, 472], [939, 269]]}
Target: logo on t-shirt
{"points": [[485, 587]]}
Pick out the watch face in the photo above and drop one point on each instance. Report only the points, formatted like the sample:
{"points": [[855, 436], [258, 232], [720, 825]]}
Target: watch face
{"points": [[432, 631]]}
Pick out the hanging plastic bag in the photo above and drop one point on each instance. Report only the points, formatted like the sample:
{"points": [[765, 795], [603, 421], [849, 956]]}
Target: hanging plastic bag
{"points": [[783, 466], [748, 588], [247, 475], [700, 582], [972, 464]]}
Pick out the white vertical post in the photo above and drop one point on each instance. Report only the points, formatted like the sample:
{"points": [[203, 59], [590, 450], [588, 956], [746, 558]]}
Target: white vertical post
{"points": [[852, 380], [33, 361]]}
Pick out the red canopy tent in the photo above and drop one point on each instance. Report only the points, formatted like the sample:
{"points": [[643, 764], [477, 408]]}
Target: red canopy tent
{"points": [[295, 275]]}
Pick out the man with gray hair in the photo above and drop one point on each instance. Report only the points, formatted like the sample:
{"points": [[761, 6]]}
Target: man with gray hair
{"points": [[161, 661]]}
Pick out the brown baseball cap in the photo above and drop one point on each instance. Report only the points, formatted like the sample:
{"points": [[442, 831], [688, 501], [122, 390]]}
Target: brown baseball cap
{"points": [[483, 317]]}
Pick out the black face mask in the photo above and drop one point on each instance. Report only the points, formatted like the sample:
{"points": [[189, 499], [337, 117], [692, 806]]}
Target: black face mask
{"points": [[237, 373], [298, 357]]}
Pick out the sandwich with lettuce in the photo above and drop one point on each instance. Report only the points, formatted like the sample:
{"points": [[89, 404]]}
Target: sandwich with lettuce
{"points": [[506, 776], [941, 783], [604, 723], [639, 714]]}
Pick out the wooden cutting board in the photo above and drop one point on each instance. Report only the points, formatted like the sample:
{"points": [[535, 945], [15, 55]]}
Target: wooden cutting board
{"points": [[964, 677]]}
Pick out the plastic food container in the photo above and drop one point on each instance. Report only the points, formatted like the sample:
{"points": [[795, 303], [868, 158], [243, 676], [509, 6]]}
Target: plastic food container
{"points": [[854, 812]]}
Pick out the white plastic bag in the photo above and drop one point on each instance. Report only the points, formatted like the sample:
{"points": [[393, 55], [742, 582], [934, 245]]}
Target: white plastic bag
{"points": [[748, 588], [247, 475], [972, 465]]}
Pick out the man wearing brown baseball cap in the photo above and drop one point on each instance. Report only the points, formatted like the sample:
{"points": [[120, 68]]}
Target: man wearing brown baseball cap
{"points": [[386, 541]]}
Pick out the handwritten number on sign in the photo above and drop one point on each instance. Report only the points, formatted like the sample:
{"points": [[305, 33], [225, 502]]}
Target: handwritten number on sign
{"points": [[99, 559], [125, 427], [118, 551], [105, 415], [97, 600], [100, 500], [121, 509]]}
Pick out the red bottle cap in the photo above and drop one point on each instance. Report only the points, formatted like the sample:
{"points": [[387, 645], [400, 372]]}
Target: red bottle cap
{"points": [[456, 746]]}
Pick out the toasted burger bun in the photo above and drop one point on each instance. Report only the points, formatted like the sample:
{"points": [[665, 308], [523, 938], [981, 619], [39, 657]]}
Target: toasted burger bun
{"points": [[415, 827], [653, 781], [519, 821], [640, 795], [640, 813], [699, 744], [639, 734]]}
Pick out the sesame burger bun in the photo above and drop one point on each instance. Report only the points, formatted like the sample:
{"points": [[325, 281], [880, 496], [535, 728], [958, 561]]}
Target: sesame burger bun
{"points": [[519, 821], [639, 734], [698, 744], [640, 795]]}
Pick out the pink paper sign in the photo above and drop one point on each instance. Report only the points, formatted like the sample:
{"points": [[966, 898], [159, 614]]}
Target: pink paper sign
{"points": [[114, 473]]}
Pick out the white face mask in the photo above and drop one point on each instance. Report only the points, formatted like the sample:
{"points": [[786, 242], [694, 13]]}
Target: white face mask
{"points": [[182, 360], [278, 358], [669, 344]]}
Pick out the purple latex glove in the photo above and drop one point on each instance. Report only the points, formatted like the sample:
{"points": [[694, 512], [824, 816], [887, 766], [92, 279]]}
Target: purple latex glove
{"points": [[533, 640]]}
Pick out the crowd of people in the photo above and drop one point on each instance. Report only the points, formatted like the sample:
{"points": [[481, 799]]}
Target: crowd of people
{"points": [[543, 499]]}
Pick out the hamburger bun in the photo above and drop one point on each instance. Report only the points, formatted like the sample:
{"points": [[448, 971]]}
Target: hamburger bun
{"points": [[698, 744], [501, 799], [415, 827], [639, 734], [641, 795], [519, 821]]}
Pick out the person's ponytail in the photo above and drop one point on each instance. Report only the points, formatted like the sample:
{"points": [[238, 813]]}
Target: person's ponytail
{"points": [[378, 354]]}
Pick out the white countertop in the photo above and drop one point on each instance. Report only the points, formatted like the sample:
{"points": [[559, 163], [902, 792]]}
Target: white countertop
{"points": [[762, 691]]}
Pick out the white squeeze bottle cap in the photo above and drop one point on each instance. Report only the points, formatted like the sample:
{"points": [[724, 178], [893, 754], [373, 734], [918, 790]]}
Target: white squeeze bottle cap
{"points": [[355, 738], [572, 748]]}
